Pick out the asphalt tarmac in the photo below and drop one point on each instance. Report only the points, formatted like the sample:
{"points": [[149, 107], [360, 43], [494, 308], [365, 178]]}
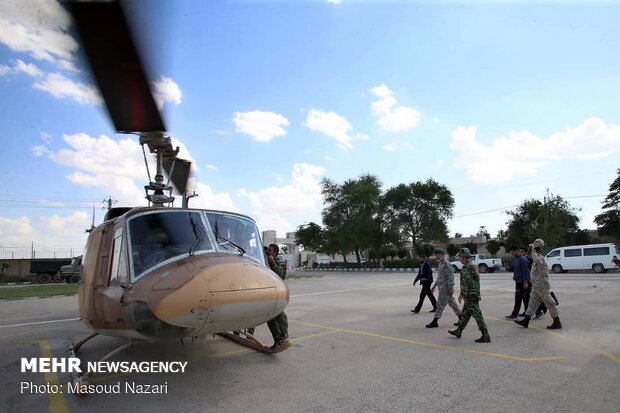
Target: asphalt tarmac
{"points": [[356, 348]]}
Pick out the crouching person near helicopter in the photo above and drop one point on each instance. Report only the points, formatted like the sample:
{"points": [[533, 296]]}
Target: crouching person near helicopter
{"points": [[279, 324]]}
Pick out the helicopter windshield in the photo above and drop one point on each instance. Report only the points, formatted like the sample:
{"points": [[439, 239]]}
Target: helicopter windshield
{"points": [[236, 234], [162, 236]]}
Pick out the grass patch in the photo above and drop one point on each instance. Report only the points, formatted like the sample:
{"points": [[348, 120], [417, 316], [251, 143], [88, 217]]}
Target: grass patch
{"points": [[46, 290]]}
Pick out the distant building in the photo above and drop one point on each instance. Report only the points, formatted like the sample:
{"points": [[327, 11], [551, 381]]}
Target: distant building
{"points": [[292, 255]]}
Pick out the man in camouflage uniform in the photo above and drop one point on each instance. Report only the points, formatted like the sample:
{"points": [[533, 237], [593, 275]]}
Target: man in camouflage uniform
{"points": [[470, 292], [445, 282], [540, 289]]}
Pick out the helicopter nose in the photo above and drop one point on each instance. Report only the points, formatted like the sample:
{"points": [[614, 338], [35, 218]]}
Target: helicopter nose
{"points": [[224, 294]]}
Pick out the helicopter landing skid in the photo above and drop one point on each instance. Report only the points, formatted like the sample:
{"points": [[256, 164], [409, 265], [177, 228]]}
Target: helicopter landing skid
{"points": [[82, 380], [247, 340]]}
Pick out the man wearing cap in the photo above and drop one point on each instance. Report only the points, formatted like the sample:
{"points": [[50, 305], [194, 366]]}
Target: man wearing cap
{"points": [[470, 292], [445, 282], [540, 288]]}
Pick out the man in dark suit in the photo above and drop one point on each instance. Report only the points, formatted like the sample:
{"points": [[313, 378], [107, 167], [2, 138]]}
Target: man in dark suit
{"points": [[425, 276]]}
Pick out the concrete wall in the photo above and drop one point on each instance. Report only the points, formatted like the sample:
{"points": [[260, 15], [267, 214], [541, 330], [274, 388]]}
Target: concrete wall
{"points": [[19, 267]]}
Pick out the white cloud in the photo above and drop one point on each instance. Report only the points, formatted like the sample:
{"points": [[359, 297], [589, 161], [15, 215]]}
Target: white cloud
{"points": [[328, 158], [390, 147], [61, 87], [334, 1], [16, 232], [38, 28], [21, 67], [262, 126], [392, 118], [46, 232], [166, 90], [523, 153], [332, 125], [212, 167], [39, 150], [117, 167], [271, 205]]}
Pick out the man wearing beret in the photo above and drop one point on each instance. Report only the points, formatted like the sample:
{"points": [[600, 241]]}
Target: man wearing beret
{"points": [[470, 292], [445, 282]]}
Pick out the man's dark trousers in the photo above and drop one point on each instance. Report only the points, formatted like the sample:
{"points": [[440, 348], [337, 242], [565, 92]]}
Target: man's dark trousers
{"points": [[521, 294], [426, 292]]}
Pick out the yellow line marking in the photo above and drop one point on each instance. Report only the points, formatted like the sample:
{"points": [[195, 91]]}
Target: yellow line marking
{"points": [[611, 357], [427, 344], [56, 401], [216, 355]]}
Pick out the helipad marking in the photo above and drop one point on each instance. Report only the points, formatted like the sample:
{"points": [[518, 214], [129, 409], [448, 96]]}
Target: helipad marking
{"points": [[611, 357], [56, 402], [427, 344]]}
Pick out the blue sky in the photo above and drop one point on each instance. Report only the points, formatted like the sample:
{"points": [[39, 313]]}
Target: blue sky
{"points": [[496, 100]]}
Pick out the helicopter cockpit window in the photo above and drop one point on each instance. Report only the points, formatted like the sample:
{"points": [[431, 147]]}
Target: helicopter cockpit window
{"points": [[236, 235], [159, 237]]}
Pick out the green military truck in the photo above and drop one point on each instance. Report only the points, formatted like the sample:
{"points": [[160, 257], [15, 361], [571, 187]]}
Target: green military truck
{"points": [[71, 273], [48, 270]]}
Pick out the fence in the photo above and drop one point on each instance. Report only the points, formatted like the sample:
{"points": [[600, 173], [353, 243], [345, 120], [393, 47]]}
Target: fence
{"points": [[14, 253]]}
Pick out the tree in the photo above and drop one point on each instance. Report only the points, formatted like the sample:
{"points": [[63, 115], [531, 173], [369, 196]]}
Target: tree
{"points": [[351, 208], [458, 235], [501, 235], [492, 246], [553, 220], [609, 220], [482, 232], [453, 249], [420, 210], [473, 248], [311, 236], [284, 249]]}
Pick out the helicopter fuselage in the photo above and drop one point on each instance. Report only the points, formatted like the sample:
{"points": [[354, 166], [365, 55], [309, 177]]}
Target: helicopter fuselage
{"points": [[166, 273]]}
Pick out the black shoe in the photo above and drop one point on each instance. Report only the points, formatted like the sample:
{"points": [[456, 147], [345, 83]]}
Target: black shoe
{"points": [[485, 338], [432, 324], [525, 322], [433, 310], [415, 310], [556, 324], [522, 314], [458, 323], [539, 315], [511, 317], [456, 333]]}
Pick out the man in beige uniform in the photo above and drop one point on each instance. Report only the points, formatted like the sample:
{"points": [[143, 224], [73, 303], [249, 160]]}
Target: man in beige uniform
{"points": [[540, 288]]}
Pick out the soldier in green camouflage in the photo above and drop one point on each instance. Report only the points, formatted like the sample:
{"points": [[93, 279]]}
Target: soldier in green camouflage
{"points": [[470, 292]]}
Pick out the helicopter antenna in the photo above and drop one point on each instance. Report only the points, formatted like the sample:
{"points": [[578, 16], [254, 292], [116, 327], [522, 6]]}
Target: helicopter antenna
{"points": [[92, 224]]}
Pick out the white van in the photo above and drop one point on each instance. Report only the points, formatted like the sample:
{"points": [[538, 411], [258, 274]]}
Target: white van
{"points": [[595, 257]]}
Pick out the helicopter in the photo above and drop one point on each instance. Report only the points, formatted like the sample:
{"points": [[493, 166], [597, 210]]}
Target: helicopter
{"points": [[161, 273]]}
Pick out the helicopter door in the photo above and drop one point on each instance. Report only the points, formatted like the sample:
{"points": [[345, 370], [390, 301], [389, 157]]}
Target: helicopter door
{"points": [[109, 296]]}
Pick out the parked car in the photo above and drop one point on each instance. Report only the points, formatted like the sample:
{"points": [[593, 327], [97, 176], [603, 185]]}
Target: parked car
{"points": [[484, 264], [596, 257]]}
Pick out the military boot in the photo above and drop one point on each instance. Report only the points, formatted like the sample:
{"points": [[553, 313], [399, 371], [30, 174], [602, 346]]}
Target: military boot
{"points": [[556, 324], [485, 337], [458, 323], [456, 333], [432, 324], [525, 322]]}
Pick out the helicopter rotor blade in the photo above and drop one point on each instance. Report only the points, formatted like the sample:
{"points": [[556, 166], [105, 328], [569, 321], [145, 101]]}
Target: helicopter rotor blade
{"points": [[179, 173], [116, 66]]}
